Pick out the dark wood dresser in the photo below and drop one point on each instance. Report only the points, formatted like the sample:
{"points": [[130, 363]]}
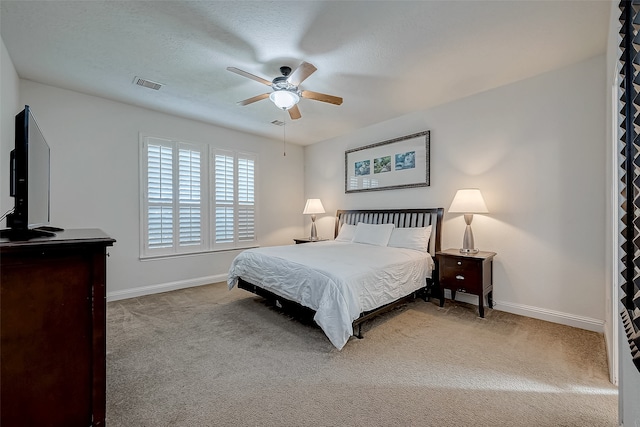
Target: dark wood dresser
{"points": [[52, 322]]}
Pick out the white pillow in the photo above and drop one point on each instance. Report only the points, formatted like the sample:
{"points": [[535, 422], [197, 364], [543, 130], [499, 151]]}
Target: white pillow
{"points": [[373, 234], [346, 233], [411, 238]]}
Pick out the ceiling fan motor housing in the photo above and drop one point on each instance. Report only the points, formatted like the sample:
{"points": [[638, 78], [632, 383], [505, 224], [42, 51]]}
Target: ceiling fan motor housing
{"points": [[285, 70], [281, 83]]}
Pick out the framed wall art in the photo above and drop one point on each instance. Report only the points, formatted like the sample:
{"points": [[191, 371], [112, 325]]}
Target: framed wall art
{"points": [[397, 163]]}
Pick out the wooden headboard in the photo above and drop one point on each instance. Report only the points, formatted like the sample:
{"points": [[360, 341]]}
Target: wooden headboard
{"points": [[402, 218]]}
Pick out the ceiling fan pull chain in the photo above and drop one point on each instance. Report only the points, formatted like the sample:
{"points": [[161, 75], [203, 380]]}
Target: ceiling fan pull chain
{"points": [[284, 135]]}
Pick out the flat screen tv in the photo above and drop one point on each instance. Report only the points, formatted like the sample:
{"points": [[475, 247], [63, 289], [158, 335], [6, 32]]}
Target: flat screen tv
{"points": [[29, 182]]}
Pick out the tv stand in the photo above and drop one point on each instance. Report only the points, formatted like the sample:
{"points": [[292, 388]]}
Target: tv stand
{"points": [[52, 330], [21, 234]]}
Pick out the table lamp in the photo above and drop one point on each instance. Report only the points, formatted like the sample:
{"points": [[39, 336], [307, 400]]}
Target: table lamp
{"points": [[313, 207], [468, 201]]}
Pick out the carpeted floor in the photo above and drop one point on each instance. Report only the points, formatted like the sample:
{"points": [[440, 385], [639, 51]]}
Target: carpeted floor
{"points": [[207, 356]]}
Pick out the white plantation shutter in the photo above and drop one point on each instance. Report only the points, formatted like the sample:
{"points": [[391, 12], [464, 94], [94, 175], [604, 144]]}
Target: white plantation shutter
{"points": [[189, 197], [224, 224], [160, 227], [160, 195], [224, 197], [234, 199], [175, 211], [246, 198], [246, 220]]}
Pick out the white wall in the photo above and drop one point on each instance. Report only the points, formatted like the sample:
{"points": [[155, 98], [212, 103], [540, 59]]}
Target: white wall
{"points": [[535, 150], [614, 200], [9, 107], [95, 173]]}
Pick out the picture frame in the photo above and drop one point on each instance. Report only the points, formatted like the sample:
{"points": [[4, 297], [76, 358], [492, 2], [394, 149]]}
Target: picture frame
{"points": [[396, 163]]}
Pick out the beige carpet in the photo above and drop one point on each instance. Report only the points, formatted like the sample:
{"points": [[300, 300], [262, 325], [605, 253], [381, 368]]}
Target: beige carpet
{"points": [[207, 356]]}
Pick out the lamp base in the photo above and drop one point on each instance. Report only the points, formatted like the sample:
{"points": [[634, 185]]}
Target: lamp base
{"points": [[314, 232], [469, 251], [467, 243]]}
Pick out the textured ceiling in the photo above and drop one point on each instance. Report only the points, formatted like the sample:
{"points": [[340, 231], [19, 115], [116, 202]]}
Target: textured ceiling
{"points": [[385, 58]]}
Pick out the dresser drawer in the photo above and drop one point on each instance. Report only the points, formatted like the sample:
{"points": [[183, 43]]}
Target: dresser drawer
{"points": [[461, 275]]}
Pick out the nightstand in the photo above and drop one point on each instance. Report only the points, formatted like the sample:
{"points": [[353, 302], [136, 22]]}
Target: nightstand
{"points": [[468, 273], [308, 240]]}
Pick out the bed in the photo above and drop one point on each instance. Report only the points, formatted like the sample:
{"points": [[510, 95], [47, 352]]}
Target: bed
{"points": [[378, 260]]}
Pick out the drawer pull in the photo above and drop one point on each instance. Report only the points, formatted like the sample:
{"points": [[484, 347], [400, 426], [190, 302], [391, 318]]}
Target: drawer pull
{"points": [[459, 262], [459, 277]]}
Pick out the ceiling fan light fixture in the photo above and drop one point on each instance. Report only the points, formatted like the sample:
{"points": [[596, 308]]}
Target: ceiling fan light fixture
{"points": [[284, 99]]}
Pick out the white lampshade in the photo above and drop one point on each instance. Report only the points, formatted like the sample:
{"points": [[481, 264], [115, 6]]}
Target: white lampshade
{"points": [[313, 206], [284, 99], [468, 201]]}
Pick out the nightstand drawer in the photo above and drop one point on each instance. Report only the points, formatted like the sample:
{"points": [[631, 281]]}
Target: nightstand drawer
{"points": [[461, 275]]}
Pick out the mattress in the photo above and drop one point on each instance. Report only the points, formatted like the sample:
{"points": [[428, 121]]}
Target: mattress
{"points": [[339, 280]]}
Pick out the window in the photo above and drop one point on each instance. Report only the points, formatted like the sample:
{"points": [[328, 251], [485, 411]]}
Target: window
{"points": [[175, 207], [234, 198]]}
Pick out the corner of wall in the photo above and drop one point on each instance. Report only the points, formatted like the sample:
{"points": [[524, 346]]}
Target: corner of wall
{"points": [[9, 105]]}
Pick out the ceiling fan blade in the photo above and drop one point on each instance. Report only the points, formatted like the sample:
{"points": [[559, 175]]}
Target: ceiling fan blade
{"points": [[303, 71], [249, 75], [317, 96], [294, 113], [254, 99]]}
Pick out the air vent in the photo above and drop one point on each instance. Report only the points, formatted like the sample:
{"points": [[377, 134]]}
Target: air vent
{"points": [[277, 123], [147, 83]]}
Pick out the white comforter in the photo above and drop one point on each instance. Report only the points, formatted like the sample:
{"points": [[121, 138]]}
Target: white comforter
{"points": [[338, 280]]}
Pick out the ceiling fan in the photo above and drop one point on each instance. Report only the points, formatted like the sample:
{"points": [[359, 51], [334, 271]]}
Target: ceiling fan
{"points": [[286, 92]]}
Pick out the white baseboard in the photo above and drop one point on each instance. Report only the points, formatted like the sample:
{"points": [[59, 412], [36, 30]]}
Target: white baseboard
{"points": [[588, 323], [164, 287], [581, 322], [611, 344], [562, 318]]}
